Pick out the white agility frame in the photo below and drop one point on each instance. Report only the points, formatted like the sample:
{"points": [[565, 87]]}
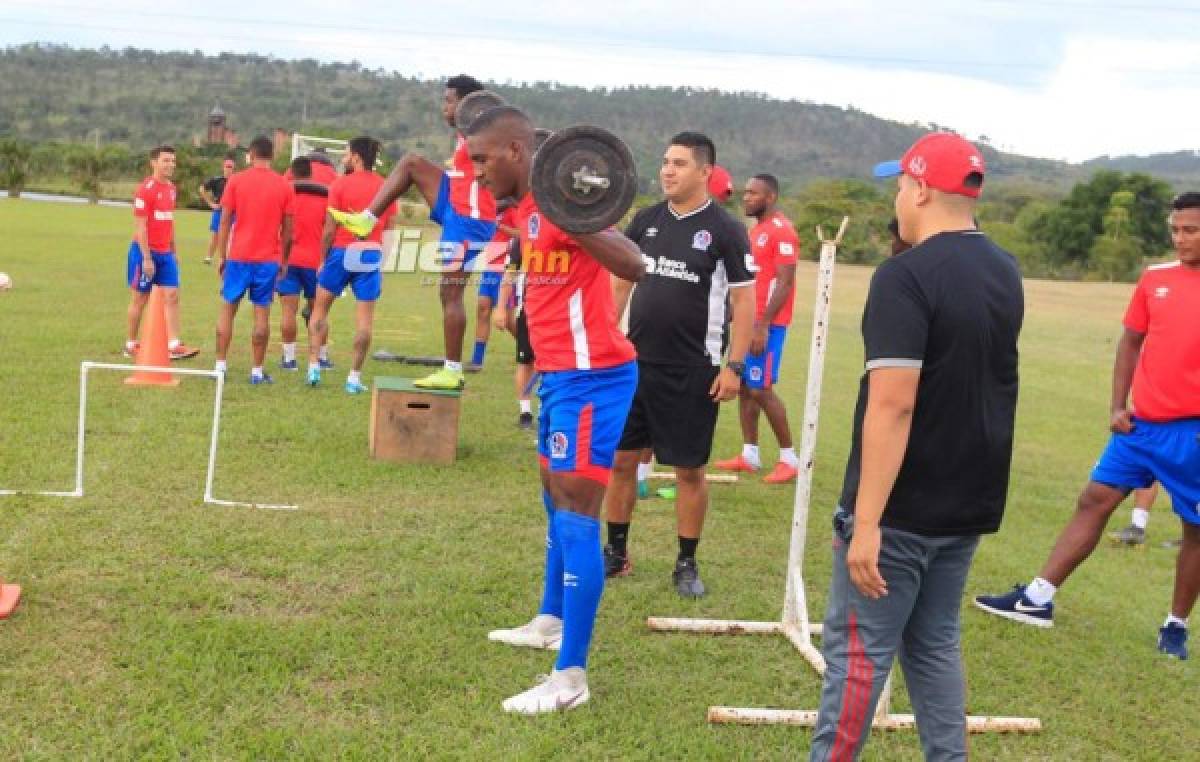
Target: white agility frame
{"points": [[794, 624], [303, 144], [218, 398]]}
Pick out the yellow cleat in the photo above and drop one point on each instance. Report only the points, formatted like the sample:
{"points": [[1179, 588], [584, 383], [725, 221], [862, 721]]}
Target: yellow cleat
{"points": [[359, 223], [444, 379]]}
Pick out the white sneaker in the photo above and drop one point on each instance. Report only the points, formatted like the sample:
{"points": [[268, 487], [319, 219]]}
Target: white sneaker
{"points": [[543, 631], [557, 692]]}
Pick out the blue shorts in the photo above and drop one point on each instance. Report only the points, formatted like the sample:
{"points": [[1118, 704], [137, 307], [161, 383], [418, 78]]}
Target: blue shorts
{"points": [[258, 278], [462, 237], [298, 280], [762, 371], [166, 271], [582, 417], [214, 222], [489, 284], [364, 277], [1168, 453]]}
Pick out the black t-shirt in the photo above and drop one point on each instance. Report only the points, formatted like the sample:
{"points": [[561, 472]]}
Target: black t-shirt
{"points": [[952, 307], [678, 312], [216, 186]]}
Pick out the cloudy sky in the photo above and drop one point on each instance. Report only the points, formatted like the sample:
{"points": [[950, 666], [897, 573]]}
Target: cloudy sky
{"points": [[1057, 78]]}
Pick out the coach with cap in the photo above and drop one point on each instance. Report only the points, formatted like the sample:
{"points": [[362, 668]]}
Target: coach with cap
{"points": [[929, 463]]}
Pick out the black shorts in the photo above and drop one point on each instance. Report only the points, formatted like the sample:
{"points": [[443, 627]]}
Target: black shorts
{"points": [[673, 413], [524, 348]]}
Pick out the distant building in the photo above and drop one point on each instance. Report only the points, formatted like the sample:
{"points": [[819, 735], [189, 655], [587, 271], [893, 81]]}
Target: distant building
{"points": [[219, 132]]}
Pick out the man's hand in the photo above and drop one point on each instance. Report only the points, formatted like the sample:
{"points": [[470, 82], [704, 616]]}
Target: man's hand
{"points": [[221, 266], [359, 223], [758, 339], [862, 561], [148, 269], [500, 318], [726, 385], [1121, 421]]}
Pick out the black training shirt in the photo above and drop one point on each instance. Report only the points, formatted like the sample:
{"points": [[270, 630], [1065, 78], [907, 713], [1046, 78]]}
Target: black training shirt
{"points": [[677, 315], [952, 307], [216, 186]]}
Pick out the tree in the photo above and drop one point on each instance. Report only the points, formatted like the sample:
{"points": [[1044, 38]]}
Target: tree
{"points": [[91, 166], [16, 165]]}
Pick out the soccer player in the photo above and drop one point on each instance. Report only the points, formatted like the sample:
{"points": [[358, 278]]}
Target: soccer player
{"points": [[211, 192], [698, 257], [350, 262], [151, 259], [930, 456], [489, 282], [510, 316], [588, 380], [1155, 424], [308, 223], [250, 261], [467, 214], [775, 248]]}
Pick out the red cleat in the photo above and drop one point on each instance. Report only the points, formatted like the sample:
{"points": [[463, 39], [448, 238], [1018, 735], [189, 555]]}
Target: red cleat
{"points": [[735, 464], [10, 595], [781, 474], [183, 351]]}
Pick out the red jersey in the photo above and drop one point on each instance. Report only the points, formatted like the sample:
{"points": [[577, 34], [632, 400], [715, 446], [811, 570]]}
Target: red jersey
{"points": [[308, 222], [322, 174], [353, 193], [773, 242], [1166, 308], [498, 248], [155, 201], [568, 299], [257, 199], [467, 198]]}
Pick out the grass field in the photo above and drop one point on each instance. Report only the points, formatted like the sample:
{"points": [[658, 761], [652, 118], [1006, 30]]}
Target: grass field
{"points": [[154, 626]]}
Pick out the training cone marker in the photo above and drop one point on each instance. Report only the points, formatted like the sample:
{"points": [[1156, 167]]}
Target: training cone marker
{"points": [[10, 596], [153, 350]]}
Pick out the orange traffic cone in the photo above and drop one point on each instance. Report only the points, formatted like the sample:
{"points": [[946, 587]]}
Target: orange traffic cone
{"points": [[10, 595], [153, 350]]}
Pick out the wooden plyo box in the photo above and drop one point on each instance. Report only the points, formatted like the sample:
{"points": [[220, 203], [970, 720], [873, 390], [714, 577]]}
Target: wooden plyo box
{"points": [[411, 425]]}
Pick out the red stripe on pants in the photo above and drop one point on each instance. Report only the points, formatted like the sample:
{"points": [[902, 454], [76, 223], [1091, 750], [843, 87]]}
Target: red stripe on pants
{"points": [[856, 697]]}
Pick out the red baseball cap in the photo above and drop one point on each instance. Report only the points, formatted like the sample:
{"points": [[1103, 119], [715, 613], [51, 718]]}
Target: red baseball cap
{"points": [[720, 183], [943, 160]]}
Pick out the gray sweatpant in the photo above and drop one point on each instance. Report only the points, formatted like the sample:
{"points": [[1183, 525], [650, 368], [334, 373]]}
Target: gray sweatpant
{"points": [[919, 617]]}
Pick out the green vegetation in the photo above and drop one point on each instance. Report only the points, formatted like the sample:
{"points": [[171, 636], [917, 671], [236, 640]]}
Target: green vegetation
{"points": [[154, 626]]}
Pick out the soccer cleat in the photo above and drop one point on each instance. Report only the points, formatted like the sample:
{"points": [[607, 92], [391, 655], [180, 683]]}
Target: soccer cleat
{"points": [[286, 364], [1130, 535], [131, 349], [686, 578], [643, 489], [1172, 640], [359, 223], [525, 421], [325, 363], [1016, 606], [183, 351], [355, 387], [736, 464], [557, 692], [667, 493], [543, 631], [616, 565], [261, 380], [781, 474], [314, 377], [446, 379]]}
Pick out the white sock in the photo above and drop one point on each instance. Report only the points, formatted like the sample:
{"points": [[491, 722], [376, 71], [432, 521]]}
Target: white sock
{"points": [[788, 455], [526, 406], [173, 343], [1141, 517], [354, 377], [256, 372], [1040, 592], [1172, 619], [750, 455], [130, 344], [323, 352], [644, 471], [289, 351], [314, 366], [219, 366], [454, 366]]}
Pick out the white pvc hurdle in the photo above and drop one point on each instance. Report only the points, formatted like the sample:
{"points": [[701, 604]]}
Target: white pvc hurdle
{"points": [[794, 624], [218, 398]]}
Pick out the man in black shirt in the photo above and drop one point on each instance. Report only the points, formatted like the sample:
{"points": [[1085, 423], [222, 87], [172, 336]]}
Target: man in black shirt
{"points": [[929, 465], [211, 191], [697, 268]]}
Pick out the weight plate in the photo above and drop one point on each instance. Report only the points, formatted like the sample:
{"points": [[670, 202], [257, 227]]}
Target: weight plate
{"points": [[584, 179]]}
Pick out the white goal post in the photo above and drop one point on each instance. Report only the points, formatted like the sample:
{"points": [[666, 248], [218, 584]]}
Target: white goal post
{"points": [[218, 398], [302, 145]]}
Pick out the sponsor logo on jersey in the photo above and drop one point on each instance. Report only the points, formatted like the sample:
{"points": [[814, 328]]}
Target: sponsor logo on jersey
{"points": [[651, 232], [787, 250], [702, 240], [761, 240], [1161, 292]]}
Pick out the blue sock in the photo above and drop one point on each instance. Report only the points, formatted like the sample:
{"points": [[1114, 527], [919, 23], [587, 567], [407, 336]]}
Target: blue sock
{"points": [[480, 348], [552, 592], [583, 584]]}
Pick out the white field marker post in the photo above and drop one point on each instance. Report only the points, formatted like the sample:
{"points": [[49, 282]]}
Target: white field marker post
{"points": [[219, 397]]}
